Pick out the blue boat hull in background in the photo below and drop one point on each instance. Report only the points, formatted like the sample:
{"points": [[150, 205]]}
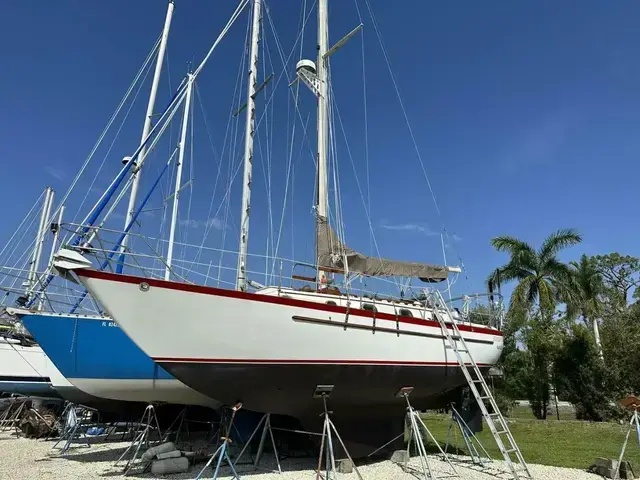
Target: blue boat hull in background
{"points": [[97, 357]]}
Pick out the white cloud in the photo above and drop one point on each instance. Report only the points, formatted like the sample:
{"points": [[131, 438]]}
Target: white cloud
{"points": [[214, 223], [410, 227], [55, 172]]}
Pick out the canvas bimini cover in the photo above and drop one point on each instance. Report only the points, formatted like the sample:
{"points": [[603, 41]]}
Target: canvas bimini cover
{"points": [[332, 254]]}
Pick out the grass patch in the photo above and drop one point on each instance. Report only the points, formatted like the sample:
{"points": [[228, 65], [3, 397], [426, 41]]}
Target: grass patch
{"points": [[565, 443]]}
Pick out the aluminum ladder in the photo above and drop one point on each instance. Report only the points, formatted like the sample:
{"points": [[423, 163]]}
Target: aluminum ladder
{"points": [[490, 411]]}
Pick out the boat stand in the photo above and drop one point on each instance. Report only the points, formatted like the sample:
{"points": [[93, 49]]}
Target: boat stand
{"points": [[71, 427], [326, 445], [12, 415], [148, 424], [222, 452], [470, 440], [632, 403], [60, 423], [416, 429], [265, 423], [180, 422]]}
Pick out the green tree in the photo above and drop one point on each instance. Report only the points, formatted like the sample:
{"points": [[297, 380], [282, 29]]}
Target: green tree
{"points": [[588, 289], [581, 378], [541, 277], [620, 339], [588, 293], [542, 282], [620, 274]]}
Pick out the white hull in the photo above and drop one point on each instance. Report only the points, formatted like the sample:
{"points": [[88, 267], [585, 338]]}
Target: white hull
{"points": [[29, 366], [231, 334]]}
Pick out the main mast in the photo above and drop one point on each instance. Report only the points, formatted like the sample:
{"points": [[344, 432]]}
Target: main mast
{"points": [[241, 281], [147, 121], [322, 64]]}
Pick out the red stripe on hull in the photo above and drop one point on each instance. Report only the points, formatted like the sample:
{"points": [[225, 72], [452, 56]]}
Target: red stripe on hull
{"points": [[189, 287]]}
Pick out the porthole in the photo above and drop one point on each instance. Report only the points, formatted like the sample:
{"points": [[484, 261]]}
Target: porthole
{"points": [[369, 307]]}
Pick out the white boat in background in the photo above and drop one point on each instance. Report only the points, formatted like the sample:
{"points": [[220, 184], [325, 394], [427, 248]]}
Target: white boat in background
{"points": [[25, 369]]}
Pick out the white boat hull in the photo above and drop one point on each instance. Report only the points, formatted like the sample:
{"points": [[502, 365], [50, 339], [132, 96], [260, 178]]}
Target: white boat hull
{"points": [[270, 352], [28, 370]]}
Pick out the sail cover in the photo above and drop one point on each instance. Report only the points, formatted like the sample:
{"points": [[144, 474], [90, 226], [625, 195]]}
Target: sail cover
{"points": [[332, 254]]}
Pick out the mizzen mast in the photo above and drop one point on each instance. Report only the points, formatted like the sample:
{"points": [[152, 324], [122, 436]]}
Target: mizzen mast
{"points": [[146, 129]]}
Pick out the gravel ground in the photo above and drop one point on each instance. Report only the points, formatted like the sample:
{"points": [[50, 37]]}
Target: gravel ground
{"points": [[22, 459]]}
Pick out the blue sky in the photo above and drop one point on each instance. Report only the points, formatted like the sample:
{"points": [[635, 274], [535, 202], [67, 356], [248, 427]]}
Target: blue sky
{"points": [[525, 114]]}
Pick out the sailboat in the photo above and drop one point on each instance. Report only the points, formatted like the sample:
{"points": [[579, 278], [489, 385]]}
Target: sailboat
{"points": [[26, 370], [275, 347], [91, 351]]}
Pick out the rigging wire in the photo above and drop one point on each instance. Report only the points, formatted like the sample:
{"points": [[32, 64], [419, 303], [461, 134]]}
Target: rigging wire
{"points": [[235, 129], [28, 215], [285, 61], [408, 123], [289, 179], [366, 121], [144, 68], [21, 259]]}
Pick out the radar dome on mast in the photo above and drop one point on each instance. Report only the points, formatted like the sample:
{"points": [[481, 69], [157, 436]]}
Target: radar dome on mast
{"points": [[308, 65]]}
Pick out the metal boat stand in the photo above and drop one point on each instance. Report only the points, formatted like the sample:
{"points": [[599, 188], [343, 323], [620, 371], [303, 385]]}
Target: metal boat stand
{"points": [[265, 423], [222, 452], [416, 436], [180, 422], [470, 440], [12, 415], [326, 445], [632, 403], [72, 426], [148, 424]]}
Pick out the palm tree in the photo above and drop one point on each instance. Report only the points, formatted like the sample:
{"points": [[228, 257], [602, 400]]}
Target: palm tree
{"points": [[545, 280], [588, 287], [541, 277]]}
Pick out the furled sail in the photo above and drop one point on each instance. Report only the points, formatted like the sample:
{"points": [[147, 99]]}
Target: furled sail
{"points": [[332, 254]]}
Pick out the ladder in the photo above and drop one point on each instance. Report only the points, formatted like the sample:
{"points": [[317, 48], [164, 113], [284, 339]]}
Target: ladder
{"points": [[490, 411]]}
